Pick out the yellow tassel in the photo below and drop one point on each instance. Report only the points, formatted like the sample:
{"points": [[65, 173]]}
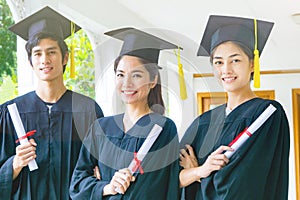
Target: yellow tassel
{"points": [[256, 60], [72, 63], [72, 58], [182, 86], [256, 69]]}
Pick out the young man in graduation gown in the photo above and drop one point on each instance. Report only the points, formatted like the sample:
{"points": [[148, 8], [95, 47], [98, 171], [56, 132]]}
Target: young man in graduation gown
{"points": [[59, 117], [113, 141], [259, 168]]}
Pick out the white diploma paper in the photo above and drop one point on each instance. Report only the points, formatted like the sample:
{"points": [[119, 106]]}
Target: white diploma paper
{"points": [[14, 113], [152, 136], [244, 135], [154, 133]]}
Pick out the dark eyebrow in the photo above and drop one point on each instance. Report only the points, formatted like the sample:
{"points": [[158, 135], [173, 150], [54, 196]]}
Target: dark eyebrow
{"points": [[48, 49], [134, 71], [118, 70], [137, 70], [231, 56], [217, 57]]}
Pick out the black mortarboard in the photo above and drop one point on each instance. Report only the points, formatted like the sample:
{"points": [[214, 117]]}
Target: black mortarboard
{"points": [[226, 28], [140, 44], [45, 20], [250, 32]]}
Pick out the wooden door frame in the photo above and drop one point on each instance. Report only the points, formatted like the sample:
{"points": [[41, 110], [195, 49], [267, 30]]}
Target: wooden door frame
{"points": [[296, 115], [206, 99]]}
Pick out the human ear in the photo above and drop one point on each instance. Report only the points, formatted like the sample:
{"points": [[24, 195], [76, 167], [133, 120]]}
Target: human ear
{"points": [[65, 59], [154, 82], [252, 65]]}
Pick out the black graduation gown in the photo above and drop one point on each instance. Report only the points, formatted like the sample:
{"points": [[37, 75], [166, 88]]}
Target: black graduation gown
{"points": [[59, 138], [258, 170], [108, 147]]}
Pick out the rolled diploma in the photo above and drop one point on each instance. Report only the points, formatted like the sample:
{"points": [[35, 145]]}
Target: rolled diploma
{"points": [[247, 133], [154, 133], [14, 113], [152, 136]]}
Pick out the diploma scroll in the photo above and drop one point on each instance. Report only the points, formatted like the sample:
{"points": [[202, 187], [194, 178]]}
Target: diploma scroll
{"points": [[14, 113], [248, 132], [154, 133], [140, 155]]}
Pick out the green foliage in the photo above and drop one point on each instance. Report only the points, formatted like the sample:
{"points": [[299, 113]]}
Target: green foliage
{"points": [[7, 89], [84, 81], [8, 59]]}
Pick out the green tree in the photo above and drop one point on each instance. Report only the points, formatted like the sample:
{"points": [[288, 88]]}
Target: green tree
{"points": [[8, 59], [7, 90], [84, 81]]}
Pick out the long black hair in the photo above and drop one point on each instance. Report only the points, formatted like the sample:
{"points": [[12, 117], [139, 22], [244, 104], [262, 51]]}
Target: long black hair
{"points": [[155, 100]]}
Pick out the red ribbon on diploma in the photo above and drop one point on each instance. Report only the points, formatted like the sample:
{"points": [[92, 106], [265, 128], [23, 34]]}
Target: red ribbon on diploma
{"points": [[241, 133], [30, 133], [137, 164]]}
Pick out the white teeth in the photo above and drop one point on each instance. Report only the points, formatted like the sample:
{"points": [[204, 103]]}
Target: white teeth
{"points": [[45, 68], [128, 92], [229, 79]]}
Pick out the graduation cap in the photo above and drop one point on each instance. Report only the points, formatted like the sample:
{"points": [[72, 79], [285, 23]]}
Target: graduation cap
{"points": [[140, 44], [45, 20], [250, 32]]}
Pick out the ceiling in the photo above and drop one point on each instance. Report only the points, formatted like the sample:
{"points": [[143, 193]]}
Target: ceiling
{"points": [[183, 22]]}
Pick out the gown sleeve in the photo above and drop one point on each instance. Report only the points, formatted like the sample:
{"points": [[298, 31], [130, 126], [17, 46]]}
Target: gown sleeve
{"points": [[84, 185], [7, 150], [174, 192], [189, 138]]}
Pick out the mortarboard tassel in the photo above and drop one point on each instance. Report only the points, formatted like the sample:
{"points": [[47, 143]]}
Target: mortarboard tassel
{"points": [[256, 60], [183, 94], [72, 58]]}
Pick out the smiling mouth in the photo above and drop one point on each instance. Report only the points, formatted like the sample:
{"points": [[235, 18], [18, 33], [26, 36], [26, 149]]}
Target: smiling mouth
{"points": [[228, 79], [46, 69], [129, 92]]}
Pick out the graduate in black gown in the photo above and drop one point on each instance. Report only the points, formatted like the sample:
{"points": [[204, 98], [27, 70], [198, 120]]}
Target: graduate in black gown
{"points": [[113, 141], [259, 168], [59, 116]]}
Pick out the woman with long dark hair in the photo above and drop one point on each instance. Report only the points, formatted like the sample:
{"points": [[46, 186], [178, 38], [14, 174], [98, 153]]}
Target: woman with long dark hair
{"points": [[259, 168], [114, 142]]}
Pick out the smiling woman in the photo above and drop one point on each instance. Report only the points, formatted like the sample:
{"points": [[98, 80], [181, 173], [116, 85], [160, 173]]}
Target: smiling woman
{"points": [[133, 80], [229, 42], [114, 141]]}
